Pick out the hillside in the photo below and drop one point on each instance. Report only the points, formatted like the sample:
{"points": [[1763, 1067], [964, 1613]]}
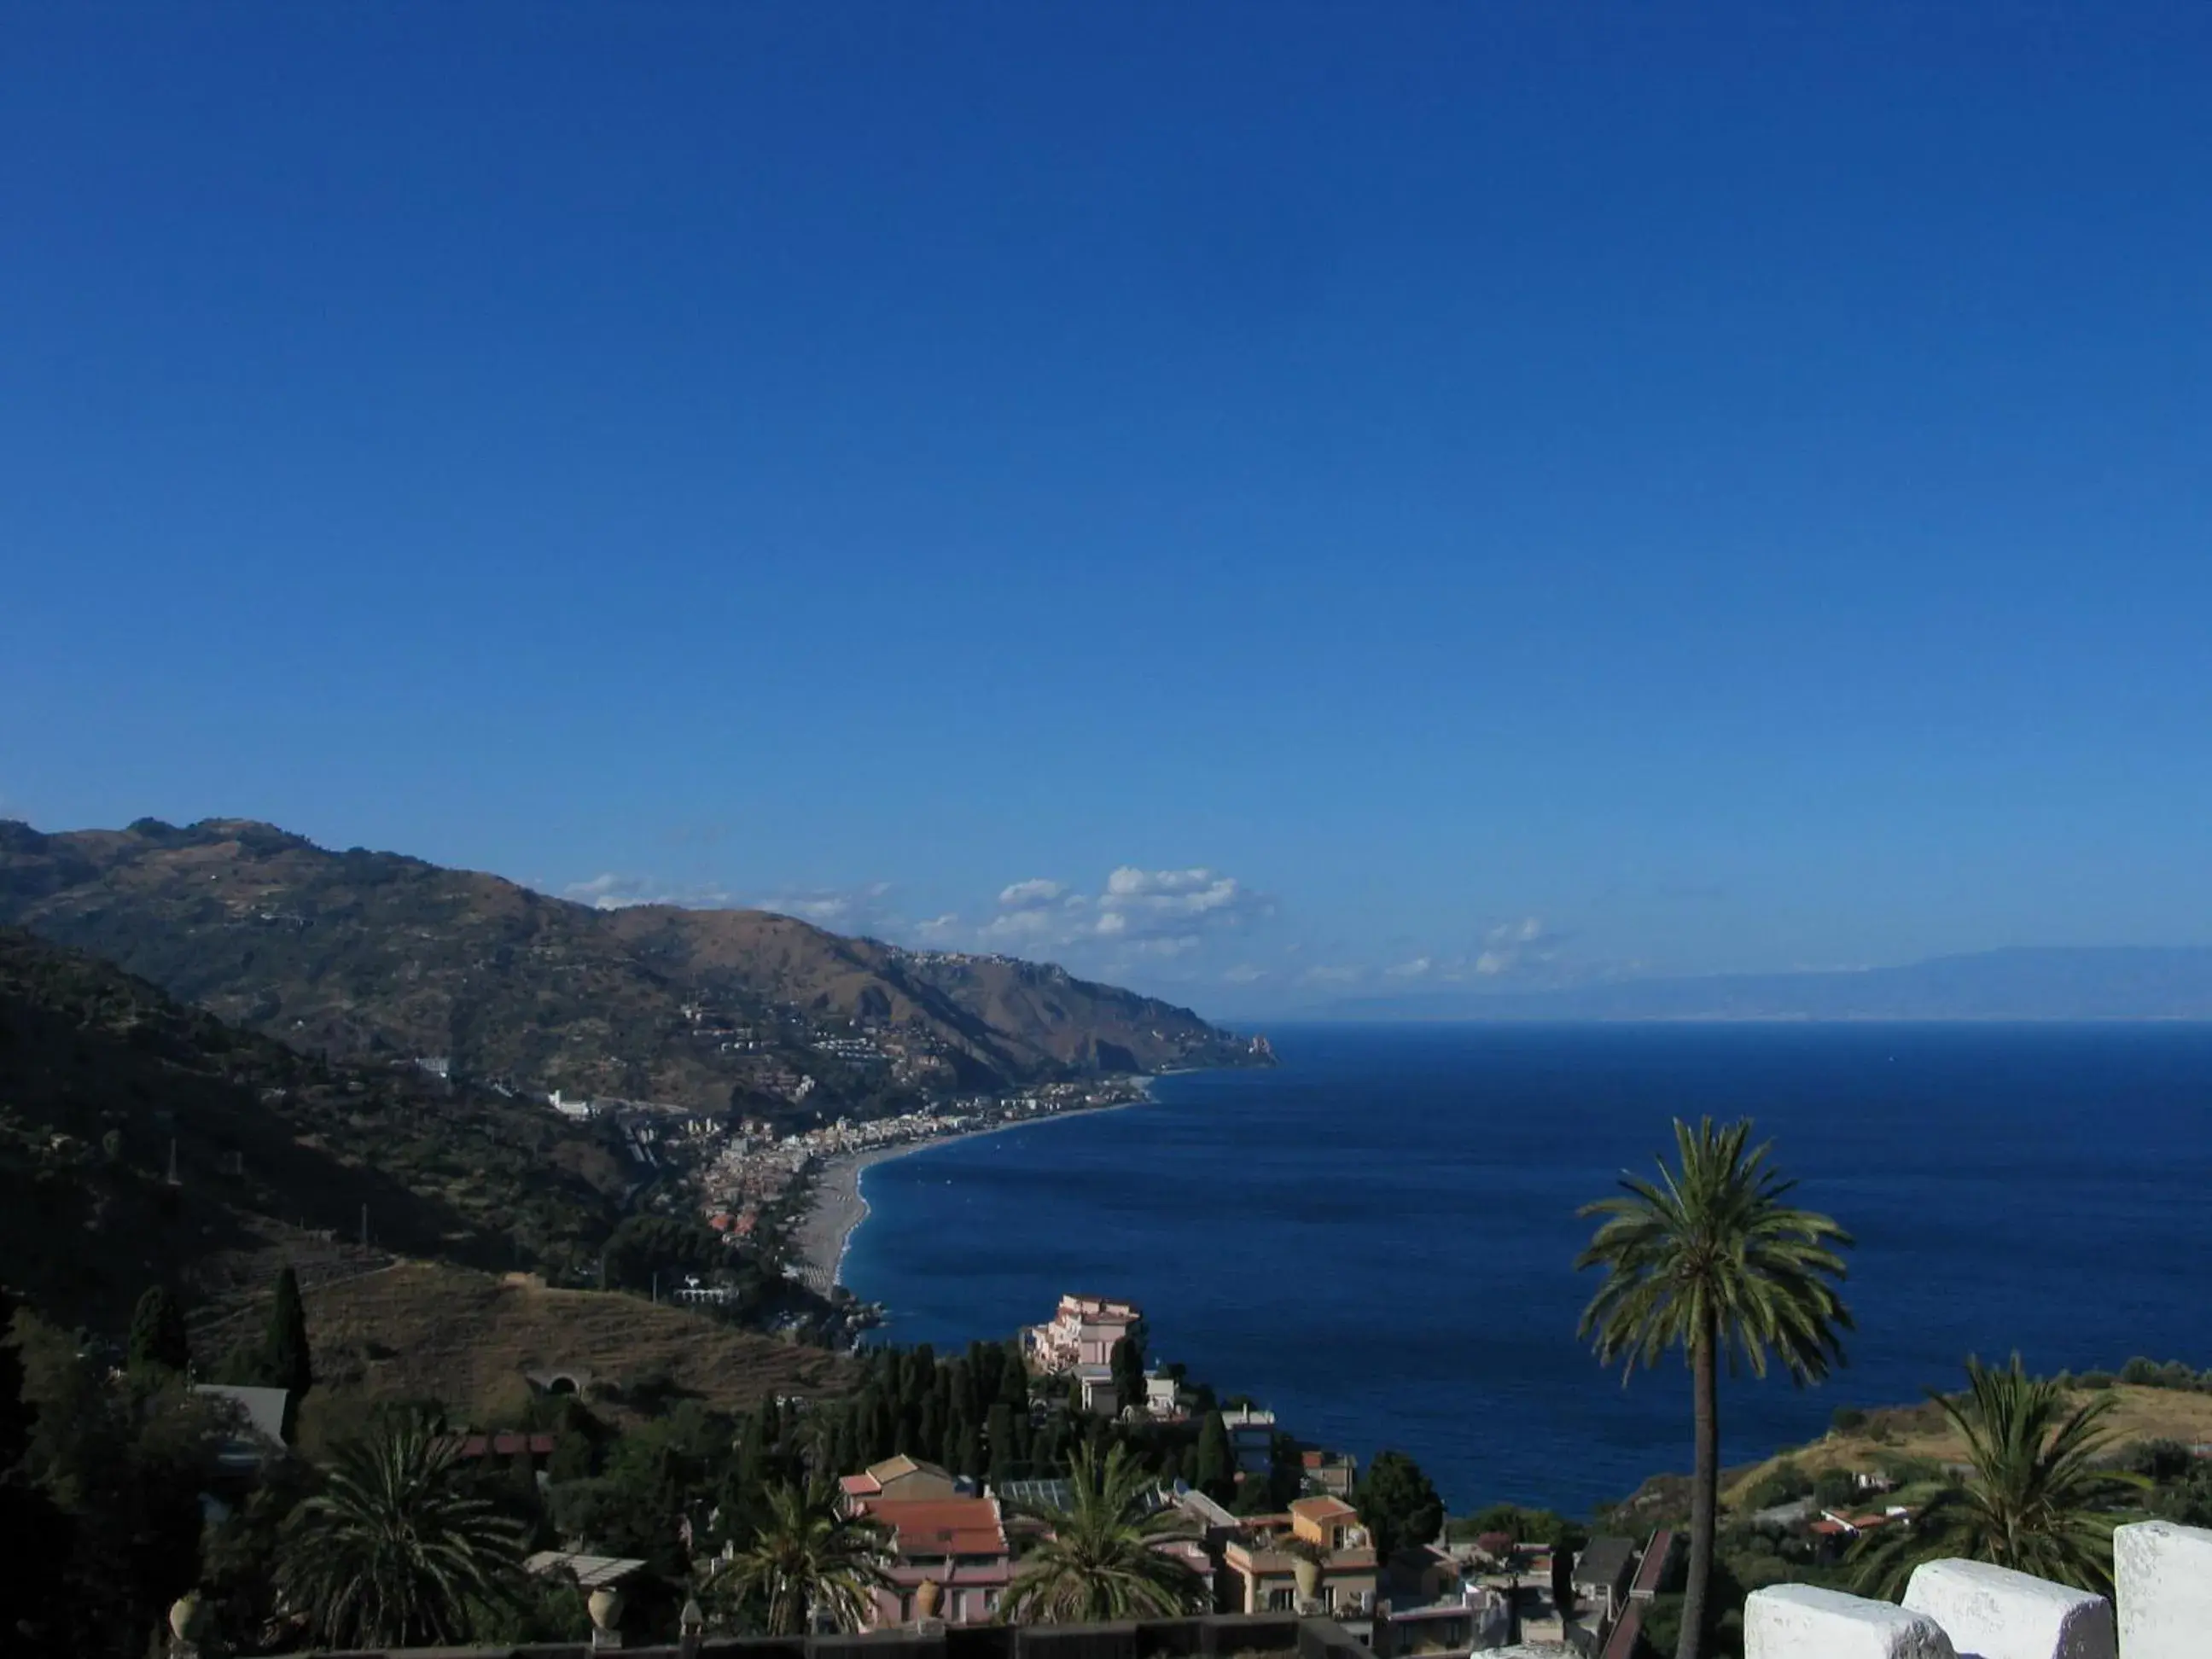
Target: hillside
{"points": [[143, 1140], [374, 954], [418, 1330]]}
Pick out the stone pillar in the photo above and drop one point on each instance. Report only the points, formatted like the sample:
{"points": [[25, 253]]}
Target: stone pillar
{"points": [[1995, 1612], [1798, 1621], [2164, 1575]]}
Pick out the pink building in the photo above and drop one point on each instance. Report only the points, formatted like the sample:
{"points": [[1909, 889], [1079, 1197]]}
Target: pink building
{"points": [[958, 1544], [1083, 1331]]}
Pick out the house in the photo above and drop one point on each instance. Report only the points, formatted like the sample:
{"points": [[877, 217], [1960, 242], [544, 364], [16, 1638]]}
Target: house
{"points": [[1602, 1576], [1251, 1438], [1082, 1332], [900, 1479], [1164, 1399], [1332, 1473], [1477, 1620], [1260, 1565], [1100, 1393], [957, 1544]]}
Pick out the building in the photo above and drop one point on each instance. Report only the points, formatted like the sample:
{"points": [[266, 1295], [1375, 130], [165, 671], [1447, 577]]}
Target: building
{"points": [[957, 1544], [1602, 1576], [1260, 1565], [1251, 1438], [902, 1479], [1333, 1473], [1655, 1575], [1082, 1332]]}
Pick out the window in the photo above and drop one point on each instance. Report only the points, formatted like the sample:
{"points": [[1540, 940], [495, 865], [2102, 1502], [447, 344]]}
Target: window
{"points": [[1283, 1601]]}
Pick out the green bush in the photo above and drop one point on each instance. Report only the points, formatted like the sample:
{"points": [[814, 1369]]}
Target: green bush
{"points": [[1849, 1420]]}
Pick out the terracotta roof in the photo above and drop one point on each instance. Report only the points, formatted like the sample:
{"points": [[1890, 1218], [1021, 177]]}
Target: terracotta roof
{"points": [[1324, 1509], [941, 1526], [1655, 1557]]}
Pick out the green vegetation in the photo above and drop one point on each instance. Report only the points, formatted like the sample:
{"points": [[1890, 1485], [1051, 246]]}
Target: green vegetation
{"points": [[395, 1549], [1710, 1260], [143, 1131], [1101, 1562], [2037, 1498], [808, 1560], [1398, 1504], [158, 1338]]}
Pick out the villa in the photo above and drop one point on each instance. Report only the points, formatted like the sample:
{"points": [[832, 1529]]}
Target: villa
{"points": [[1260, 1567], [953, 1551], [1082, 1332]]}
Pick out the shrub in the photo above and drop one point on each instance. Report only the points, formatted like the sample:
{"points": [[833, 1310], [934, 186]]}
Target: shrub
{"points": [[1849, 1420], [1785, 1483]]}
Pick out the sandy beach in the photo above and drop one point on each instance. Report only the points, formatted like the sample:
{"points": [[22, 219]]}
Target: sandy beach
{"points": [[838, 1208]]}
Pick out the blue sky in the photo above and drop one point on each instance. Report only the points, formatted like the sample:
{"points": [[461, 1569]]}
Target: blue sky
{"points": [[1482, 492]]}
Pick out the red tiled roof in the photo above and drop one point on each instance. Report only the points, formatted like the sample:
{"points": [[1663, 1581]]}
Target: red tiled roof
{"points": [[941, 1526], [505, 1444], [1622, 1645], [1324, 1509]]}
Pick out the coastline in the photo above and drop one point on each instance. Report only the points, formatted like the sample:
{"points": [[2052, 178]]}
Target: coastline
{"points": [[837, 1206]]}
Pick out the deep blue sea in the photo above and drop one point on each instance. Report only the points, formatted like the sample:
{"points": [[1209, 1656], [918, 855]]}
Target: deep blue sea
{"points": [[1377, 1238]]}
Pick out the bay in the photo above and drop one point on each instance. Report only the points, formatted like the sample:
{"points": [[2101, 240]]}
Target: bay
{"points": [[1376, 1237]]}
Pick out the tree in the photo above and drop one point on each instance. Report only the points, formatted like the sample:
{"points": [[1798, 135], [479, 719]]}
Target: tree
{"points": [[1126, 1361], [285, 1349], [1101, 1561], [2035, 1499], [158, 1342], [1398, 1504], [809, 1559], [1709, 1259], [396, 1550], [1215, 1474]]}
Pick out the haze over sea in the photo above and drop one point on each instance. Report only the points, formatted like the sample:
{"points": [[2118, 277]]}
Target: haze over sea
{"points": [[1377, 1238]]}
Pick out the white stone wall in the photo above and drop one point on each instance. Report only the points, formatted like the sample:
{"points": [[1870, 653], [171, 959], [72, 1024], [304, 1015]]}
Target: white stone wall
{"points": [[1994, 1612], [1799, 1621], [2163, 1574], [1969, 1610]]}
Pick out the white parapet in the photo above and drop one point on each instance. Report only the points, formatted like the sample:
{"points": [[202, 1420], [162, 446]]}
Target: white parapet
{"points": [[1798, 1621], [1994, 1612], [2163, 1573]]}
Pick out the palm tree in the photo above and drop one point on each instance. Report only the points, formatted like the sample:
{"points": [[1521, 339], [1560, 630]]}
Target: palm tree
{"points": [[809, 1559], [395, 1551], [1709, 1259], [1102, 1561], [2033, 1500]]}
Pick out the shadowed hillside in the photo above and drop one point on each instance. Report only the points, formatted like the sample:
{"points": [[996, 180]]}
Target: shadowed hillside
{"points": [[143, 1141], [360, 954]]}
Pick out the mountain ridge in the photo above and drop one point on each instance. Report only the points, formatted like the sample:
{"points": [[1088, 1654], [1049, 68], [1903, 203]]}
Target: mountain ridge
{"points": [[375, 954]]}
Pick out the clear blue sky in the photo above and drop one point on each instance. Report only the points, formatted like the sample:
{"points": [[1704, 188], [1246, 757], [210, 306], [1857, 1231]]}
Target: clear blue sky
{"points": [[1509, 491]]}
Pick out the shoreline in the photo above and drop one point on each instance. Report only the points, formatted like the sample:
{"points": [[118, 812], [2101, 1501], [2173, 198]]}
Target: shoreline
{"points": [[824, 1236]]}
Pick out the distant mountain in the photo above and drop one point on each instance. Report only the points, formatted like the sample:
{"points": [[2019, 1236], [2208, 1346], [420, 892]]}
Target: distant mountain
{"points": [[140, 1140], [358, 954], [2022, 984]]}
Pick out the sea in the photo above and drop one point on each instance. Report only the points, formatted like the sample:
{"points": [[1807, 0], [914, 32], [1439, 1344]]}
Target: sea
{"points": [[1376, 1237]]}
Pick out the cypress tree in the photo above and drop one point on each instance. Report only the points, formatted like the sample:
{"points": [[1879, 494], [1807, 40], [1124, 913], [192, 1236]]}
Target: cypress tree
{"points": [[157, 1334], [284, 1350], [929, 1440], [1214, 1472], [999, 1436], [1014, 1384]]}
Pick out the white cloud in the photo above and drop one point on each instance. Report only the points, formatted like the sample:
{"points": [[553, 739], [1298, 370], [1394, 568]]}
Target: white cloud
{"points": [[938, 927], [1028, 895], [1413, 969], [1319, 974], [610, 891], [1244, 973]]}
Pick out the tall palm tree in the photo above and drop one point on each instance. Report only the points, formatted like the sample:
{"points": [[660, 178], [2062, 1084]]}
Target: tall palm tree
{"points": [[808, 1559], [395, 1551], [2033, 1500], [1709, 1259], [1102, 1561]]}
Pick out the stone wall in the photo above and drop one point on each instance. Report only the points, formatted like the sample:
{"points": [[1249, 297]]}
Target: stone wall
{"points": [[1970, 1610]]}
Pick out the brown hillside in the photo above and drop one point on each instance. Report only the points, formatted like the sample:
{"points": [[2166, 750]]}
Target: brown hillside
{"points": [[419, 1330], [357, 953]]}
